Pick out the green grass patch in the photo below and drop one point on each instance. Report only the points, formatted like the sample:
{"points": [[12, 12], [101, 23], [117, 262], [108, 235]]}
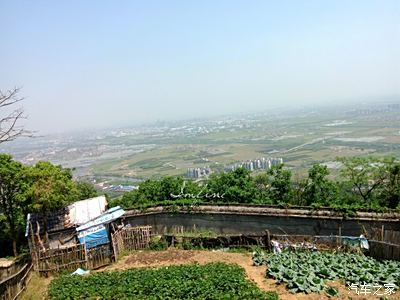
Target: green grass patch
{"points": [[211, 281], [195, 233]]}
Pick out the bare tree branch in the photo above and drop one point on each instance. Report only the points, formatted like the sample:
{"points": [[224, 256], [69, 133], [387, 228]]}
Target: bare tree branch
{"points": [[9, 124]]}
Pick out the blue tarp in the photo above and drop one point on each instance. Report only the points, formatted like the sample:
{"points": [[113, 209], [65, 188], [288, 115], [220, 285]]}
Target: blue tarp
{"points": [[94, 236], [94, 232]]}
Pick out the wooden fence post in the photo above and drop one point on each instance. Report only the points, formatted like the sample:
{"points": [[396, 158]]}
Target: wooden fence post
{"points": [[114, 241], [86, 256]]}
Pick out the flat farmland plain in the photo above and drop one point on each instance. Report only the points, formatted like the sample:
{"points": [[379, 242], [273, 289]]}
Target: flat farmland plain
{"points": [[301, 140]]}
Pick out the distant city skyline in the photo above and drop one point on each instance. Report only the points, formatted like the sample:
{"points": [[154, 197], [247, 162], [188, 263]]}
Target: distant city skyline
{"points": [[96, 64]]}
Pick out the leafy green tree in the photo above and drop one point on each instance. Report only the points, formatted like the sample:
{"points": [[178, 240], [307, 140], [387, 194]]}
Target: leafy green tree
{"points": [[280, 184], [157, 190], [149, 189], [389, 192], [51, 187], [262, 183], [319, 189], [366, 175], [299, 187], [154, 191], [237, 186], [86, 190], [13, 186], [171, 185]]}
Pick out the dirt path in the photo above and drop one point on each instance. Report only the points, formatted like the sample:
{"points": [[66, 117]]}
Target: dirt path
{"points": [[256, 274], [36, 288]]}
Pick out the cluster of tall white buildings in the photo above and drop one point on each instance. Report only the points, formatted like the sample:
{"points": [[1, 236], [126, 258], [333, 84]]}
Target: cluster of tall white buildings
{"points": [[198, 172], [256, 164], [251, 165]]}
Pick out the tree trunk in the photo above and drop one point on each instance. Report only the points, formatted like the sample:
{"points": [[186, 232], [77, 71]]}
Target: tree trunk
{"points": [[13, 233], [14, 243]]}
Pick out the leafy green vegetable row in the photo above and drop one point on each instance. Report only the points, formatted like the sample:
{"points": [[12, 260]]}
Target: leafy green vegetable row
{"points": [[305, 271], [211, 281]]}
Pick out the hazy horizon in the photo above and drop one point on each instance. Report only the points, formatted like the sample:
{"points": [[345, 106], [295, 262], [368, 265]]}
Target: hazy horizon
{"points": [[98, 64]]}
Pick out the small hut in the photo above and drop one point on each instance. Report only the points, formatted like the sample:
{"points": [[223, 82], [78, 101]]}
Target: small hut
{"points": [[58, 228]]}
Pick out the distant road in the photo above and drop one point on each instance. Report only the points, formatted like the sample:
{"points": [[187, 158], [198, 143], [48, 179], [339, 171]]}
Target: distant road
{"points": [[314, 141]]}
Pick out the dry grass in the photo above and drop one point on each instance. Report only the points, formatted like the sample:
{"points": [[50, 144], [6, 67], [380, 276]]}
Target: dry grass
{"points": [[37, 288]]}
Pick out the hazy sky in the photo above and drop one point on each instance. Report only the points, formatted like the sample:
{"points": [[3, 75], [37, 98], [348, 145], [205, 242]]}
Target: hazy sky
{"points": [[86, 63]]}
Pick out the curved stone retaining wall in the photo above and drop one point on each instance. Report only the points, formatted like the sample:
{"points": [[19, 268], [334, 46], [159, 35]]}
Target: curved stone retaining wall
{"points": [[256, 219]]}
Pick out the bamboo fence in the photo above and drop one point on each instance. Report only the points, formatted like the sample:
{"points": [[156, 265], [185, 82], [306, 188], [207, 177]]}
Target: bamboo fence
{"points": [[72, 257], [55, 260], [12, 287], [99, 256], [383, 250], [130, 238]]}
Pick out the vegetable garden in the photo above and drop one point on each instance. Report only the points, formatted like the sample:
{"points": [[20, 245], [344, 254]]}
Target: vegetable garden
{"points": [[210, 281], [308, 272]]}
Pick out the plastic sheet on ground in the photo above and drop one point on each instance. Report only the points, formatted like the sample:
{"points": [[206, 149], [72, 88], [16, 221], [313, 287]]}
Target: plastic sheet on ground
{"points": [[355, 242], [80, 272]]}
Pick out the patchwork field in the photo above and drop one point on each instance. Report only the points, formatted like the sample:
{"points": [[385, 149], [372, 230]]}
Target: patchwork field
{"points": [[301, 141], [302, 137]]}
